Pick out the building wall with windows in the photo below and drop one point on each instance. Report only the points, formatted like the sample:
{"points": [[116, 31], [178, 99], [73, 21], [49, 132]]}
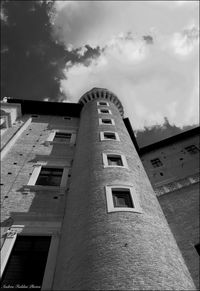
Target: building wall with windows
{"points": [[173, 169], [72, 180]]}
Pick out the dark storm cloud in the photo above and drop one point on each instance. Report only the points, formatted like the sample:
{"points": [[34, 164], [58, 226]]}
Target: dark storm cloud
{"points": [[32, 61]]}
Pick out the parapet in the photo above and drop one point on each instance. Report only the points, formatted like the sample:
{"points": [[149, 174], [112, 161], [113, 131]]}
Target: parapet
{"points": [[102, 93]]}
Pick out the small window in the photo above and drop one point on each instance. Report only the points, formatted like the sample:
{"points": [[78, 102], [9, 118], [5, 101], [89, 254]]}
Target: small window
{"points": [[34, 116], [27, 262], [109, 135], [192, 149], [114, 160], [62, 137], [67, 118], [104, 111], [156, 163], [122, 198], [102, 103], [106, 121], [197, 247]]}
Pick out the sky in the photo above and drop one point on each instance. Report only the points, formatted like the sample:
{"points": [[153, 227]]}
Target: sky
{"points": [[145, 52]]}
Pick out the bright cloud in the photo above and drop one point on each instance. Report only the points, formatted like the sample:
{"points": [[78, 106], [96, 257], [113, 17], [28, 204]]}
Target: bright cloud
{"points": [[185, 42], [149, 56]]}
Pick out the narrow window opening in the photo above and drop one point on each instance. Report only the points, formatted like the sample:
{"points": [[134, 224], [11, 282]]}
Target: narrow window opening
{"points": [[67, 118], [122, 198]]}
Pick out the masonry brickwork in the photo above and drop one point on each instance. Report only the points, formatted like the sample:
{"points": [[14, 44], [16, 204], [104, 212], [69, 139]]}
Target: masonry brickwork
{"points": [[91, 248]]}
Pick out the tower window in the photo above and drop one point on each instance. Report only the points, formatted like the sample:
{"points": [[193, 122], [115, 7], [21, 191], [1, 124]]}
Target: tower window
{"points": [[192, 149], [106, 121], [49, 176], [62, 137], [114, 160], [156, 163], [27, 262], [104, 111], [109, 135], [122, 198], [102, 103]]}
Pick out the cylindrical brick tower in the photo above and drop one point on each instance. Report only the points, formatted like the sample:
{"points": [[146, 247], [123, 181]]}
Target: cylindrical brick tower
{"points": [[114, 234]]}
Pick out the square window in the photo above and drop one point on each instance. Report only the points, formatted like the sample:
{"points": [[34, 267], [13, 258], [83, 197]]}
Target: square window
{"points": [[62, 137], [122, 198], [156, 163], [49, 177], [104, 111], [106, 121], [109, 135], [192, 149], [114, 160]]}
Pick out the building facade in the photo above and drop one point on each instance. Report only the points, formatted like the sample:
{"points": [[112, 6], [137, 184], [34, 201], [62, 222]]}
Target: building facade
{"points": [[78, 208]]}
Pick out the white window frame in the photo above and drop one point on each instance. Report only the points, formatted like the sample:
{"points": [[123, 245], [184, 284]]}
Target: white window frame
{"points": [[101, 123], [106, 103], [134, 197], [37, 170], [7, 248], [50, 139], [105, 160], [102, 137], [99, 111]]}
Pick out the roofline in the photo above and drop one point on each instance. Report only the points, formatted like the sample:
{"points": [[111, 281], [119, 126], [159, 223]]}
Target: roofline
{"points": [[169, 140], [48, 108]]}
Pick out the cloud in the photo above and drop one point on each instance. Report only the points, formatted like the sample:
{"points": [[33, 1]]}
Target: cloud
{"points": [[185, 42], [150, 81]]}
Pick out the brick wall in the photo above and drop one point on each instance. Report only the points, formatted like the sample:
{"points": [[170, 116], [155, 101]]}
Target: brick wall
{"points": [[119, 250]]}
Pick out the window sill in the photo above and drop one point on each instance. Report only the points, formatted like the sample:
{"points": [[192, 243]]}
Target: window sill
{"points": [[121, 209], [43, 188]]}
